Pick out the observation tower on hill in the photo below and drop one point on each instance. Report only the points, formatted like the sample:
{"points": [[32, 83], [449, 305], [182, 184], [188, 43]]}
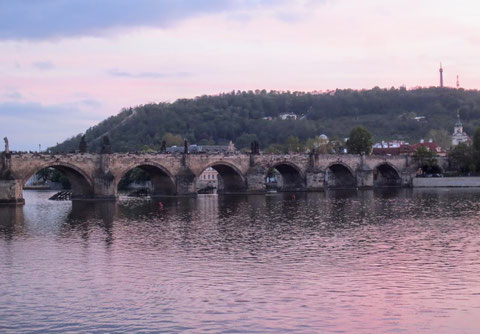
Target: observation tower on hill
{"points": [[441, 75]]}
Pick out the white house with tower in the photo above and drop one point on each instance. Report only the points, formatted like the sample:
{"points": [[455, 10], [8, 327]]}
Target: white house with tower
{"points": [[459, 136]]}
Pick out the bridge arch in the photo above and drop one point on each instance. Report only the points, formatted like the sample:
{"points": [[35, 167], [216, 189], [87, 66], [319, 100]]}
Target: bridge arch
{"points": [[386, 175], [230, 178], [339, 175], [289, 176], [80, 181], [162, 181]]}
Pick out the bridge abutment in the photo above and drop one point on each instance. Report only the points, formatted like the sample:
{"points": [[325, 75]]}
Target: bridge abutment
{"points": [[11, 192]]}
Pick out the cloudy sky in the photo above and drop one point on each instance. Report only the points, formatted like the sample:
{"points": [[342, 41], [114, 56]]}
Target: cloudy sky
{"points": [[67, 64]]}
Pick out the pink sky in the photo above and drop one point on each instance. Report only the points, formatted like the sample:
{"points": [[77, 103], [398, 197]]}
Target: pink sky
{"points": [[69, 81]]}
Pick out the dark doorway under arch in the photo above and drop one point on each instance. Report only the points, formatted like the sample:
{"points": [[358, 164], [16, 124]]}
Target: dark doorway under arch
{"points": [[339, 176], [385, 175]]}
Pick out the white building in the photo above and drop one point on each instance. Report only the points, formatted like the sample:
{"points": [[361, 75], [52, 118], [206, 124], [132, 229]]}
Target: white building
{"points": [[458, 135], [209, 178], [286, 116], [390, 144]]}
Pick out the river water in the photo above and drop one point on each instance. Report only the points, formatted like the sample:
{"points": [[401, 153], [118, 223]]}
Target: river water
{"points": [[388, 261]]}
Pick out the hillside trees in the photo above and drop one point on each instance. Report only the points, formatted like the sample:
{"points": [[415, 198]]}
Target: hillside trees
{"points": [[387, 113]]}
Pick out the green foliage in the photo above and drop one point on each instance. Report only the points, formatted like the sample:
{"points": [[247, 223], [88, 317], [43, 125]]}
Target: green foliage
{"points": [[360, 141], [238, 116], [425, 159], [462, 158], [245, 139], [134, 175], [44, 174], [172, 139], [320, 145], [53, 175], [476, 148], [293, 145], [476, 140], [441, 137], [276, 149]]}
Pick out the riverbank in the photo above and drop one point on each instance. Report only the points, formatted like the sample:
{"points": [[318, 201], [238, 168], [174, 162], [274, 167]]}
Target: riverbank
{"points": [[42, 187], [457, 182]]}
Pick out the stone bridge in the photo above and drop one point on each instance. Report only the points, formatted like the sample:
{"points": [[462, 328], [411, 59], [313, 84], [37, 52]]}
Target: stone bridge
{"points": [[96, 176]]}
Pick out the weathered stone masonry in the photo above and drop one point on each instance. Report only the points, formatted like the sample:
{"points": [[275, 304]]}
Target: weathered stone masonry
{"points": [[96, 176]]}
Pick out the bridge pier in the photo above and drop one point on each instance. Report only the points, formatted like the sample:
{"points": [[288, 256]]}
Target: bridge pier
{"points": [[255, 179], [315, 180], [185, 182], [104, 187], [364, 178], [11, 192]]}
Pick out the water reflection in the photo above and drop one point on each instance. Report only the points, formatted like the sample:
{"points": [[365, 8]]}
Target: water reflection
{"points": [[388, 260], [11, 221]]}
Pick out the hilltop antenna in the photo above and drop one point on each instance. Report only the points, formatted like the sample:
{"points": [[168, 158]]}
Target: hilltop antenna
{"points": [[441, 75], [458, 82]]}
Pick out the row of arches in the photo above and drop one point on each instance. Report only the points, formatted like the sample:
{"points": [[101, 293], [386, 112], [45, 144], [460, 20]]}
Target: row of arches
{"points": [[281, 177]]}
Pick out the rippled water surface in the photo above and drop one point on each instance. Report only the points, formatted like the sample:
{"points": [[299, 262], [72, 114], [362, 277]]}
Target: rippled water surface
{"points": [[335, 262]]}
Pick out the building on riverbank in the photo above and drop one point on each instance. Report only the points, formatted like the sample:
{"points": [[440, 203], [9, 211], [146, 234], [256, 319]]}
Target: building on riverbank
{"points": [[459, 136], [404, 148]]}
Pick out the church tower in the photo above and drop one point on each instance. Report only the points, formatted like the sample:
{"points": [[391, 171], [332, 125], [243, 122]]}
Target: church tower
{"points": [[458, 135], [441, 76], [458, 125]]}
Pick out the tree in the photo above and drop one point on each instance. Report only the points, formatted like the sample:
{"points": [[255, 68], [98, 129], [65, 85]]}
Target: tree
{"points": [[476, 140], [293, 145], [462, 158], [360, 141], [82, 147], [51, 174], [319, 144], [245, 140], [425, 159], [44, 174], [172, 139], [476, 148], [275, 149], [441, 137]]}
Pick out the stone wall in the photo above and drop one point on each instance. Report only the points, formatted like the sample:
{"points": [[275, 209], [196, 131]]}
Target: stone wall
{"points": [[433, 182]]}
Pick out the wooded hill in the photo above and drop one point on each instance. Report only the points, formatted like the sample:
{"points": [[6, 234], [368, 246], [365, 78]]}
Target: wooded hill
{"points": [[241, 117]]}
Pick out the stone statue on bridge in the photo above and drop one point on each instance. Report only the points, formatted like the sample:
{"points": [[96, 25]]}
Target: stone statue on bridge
{"points": [[7, 149], [82, 147], [106, 147], [6, 161], [254, 147]]}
